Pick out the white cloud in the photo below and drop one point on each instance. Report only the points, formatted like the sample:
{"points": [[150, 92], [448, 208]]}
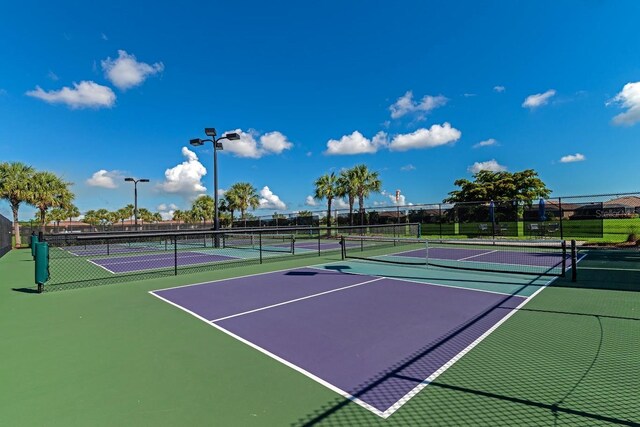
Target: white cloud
{"points": [[499, 88], [86, 94], [402, 200], [356, 143], [275, 142], [166, 211], [490, 165], [104, 178], [310, 201], [573, 158], [629, 98], [268, 200], [426, 138], [104, 36], [53, 76], [408, 167], [469, 95], [538, 99], [252, 144], [185, 178], [486, 143], [340, 204], [405, 104], [126, 72]]}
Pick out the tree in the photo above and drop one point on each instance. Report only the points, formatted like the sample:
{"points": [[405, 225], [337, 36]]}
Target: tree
{"points": [[326, 188], [14, 187], [57, 215], [178, 216], [347, 187], [245, 197], [365, 183], [203, 208], [156, 217], [49, 191], [305, 213], [499, 186], [145, 215], [91, 218], [72, 212], [124, 214], [232, 202]]}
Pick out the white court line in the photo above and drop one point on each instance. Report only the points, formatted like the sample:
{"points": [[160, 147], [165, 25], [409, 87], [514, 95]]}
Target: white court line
{"points": [[477, 255], [635, 270], [241, 277], [458, 356], [278, 358], [297, 299], [430, 283], [102, 267], [401, 401]]}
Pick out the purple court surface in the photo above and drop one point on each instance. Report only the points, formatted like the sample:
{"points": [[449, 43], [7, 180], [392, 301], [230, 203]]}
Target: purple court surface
{"points": [[152, 261], [539, 259], [372, 339]]}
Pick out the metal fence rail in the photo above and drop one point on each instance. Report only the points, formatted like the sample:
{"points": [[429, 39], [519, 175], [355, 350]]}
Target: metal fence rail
{"points": [[77, 260]]}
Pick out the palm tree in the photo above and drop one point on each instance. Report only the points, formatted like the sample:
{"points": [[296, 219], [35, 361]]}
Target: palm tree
{"points": [[145, 215], [232, 202], [57, 215], [178, 216], [365, 182], [347, 188], [124, 214], [203, 208], [156, 217], [72, 212], [49, 191], [245, 196], [14, 187], [91, 218], [326, 188]]}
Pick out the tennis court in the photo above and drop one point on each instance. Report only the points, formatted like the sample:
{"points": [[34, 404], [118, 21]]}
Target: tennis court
{"points": [[328, 322], [374, 330]]}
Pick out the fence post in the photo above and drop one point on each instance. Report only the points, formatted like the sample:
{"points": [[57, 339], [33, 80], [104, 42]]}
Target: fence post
{"points": [[319, 242], [564, 257], [561, 216], [175, 255], [260, 245], [574, 261]]}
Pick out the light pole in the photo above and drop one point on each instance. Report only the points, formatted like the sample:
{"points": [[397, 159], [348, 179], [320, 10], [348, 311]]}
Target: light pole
{"points": [[398, 206], [217, 145], [135, 196]]}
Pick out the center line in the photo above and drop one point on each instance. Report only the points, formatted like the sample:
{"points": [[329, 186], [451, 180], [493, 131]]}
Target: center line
{"points": [[295, 300], [473, 256]]}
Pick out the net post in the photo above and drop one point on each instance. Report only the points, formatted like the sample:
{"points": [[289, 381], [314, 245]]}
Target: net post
{"points": [[259, 245], [574, 261], [426, 254], [175, 255], [564, 258], [342, 247]]}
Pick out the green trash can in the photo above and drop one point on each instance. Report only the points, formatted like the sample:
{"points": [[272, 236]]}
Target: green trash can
{"points": [[42, 264], [32, 243]]}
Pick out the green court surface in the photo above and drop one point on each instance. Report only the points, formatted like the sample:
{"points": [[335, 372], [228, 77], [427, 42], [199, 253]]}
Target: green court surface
{"points": [[115, 355]]}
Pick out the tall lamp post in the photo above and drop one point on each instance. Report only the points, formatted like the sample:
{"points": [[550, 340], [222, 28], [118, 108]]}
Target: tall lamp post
{"points": [[135, 196], [217, 145]]}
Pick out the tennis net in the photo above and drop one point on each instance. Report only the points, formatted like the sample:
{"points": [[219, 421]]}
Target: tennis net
{"points": [[264, 242], [546, 258]]}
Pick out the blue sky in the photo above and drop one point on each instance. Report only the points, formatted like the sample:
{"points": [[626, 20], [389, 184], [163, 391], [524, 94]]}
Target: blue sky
{"points": [[96, 93]]}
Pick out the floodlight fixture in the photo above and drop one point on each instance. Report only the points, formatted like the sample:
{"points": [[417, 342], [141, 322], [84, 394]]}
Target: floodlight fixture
{"points": [[210, 132], [129, 179], [219, 146], [196, 142], [232, 136]]}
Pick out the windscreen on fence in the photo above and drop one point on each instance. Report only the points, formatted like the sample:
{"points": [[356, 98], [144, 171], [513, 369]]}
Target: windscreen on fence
{"points": [[5, 235]]}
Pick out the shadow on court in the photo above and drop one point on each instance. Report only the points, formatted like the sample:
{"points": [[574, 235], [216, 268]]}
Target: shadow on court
{"points": [[568, 357]]}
